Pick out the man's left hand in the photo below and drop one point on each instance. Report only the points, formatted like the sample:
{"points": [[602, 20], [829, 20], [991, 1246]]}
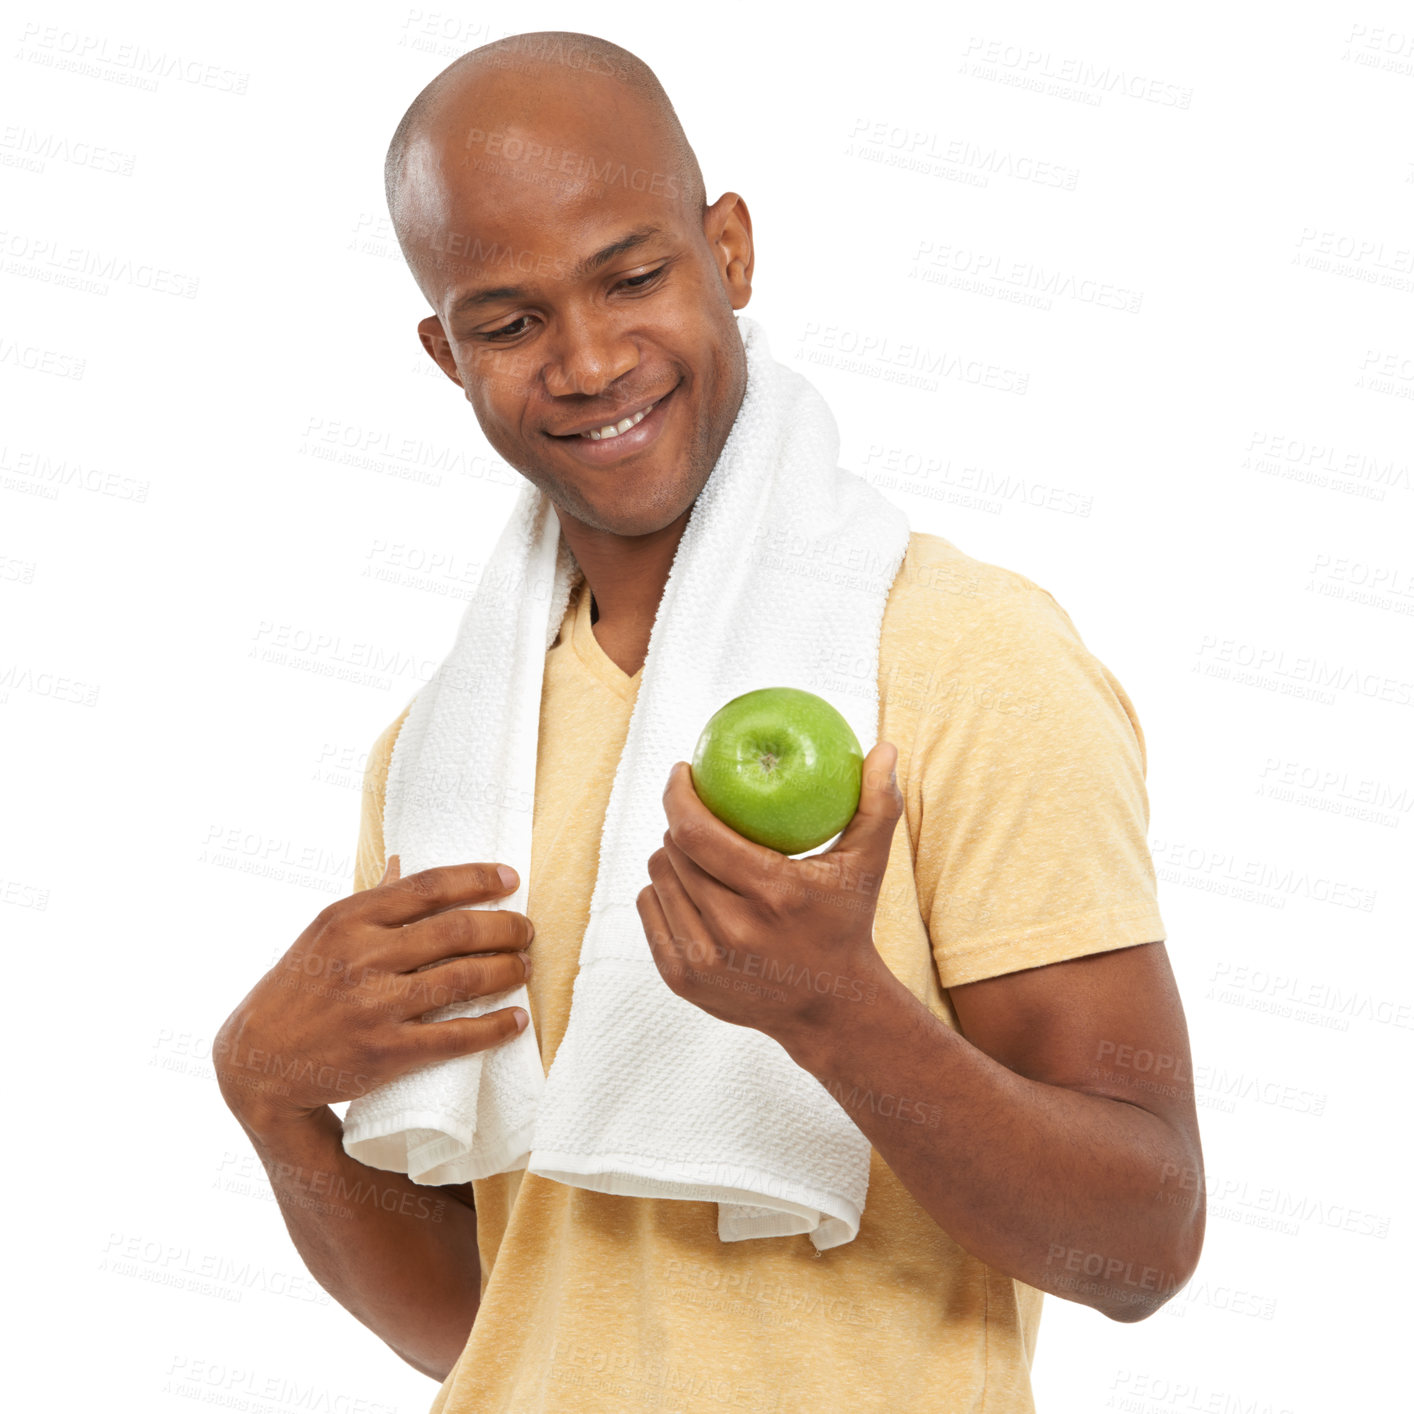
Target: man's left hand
{"points": [[760, 939]]}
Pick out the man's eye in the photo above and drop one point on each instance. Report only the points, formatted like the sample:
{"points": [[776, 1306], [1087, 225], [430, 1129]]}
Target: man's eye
{"points": [[509, 331], [506, 331]]}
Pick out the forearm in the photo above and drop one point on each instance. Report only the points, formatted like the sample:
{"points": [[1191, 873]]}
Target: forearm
{"points": [[1061, 1189], [399, 1256]]}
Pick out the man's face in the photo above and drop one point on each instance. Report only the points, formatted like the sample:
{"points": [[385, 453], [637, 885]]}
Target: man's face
{"points": [[569, 305]]}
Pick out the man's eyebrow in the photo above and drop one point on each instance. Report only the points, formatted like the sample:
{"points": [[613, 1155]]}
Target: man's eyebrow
{"points": [[474, 299], [600, 258]]}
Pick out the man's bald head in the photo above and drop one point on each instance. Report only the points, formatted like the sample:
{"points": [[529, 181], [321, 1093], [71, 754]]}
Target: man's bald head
{"points": [[534, 79], [552, 212]]}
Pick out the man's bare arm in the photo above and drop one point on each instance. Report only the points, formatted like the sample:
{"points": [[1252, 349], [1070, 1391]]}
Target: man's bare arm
{"points": [[1055, 1138], [1023, 1135], [338, 1015], [399, 1256]]}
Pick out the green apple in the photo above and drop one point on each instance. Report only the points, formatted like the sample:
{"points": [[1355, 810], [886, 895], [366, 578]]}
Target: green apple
{"points": [[780, 766]]}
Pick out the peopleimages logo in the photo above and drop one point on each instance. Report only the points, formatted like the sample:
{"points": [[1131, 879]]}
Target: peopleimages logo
{"points": [[1216, 869], [565, 161], [236, 1387], [98, 56], [1022, 66], [209, 1273], [1288, 994], [56, 262]]}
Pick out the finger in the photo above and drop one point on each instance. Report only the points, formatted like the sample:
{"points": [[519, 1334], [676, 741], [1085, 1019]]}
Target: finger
{"points": [[660, 940], [713, 846], [870, 831], [707, 894], [460, 980], [429, 891], [680, 916], [452, 934], [391, 869], [430, 1041]]}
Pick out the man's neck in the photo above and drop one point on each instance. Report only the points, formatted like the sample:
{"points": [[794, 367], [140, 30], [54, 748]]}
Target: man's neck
{"points": [[626, 575]]}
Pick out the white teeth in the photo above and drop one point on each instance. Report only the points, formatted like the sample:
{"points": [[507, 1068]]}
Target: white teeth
{"points": [[614, 429]]}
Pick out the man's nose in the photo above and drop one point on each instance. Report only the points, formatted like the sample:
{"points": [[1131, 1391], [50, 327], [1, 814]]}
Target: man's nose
{"points": [[588, 353]]}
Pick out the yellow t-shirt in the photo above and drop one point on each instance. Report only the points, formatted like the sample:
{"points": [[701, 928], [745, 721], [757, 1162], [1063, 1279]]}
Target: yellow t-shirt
{"points": [[1022, 766]]}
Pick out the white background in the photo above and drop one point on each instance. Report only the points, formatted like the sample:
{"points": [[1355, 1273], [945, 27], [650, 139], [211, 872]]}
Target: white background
{"points": [[232, 442]]}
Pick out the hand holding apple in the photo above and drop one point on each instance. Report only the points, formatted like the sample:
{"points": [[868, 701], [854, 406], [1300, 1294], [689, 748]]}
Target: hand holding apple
{"points": [[758, 939]]}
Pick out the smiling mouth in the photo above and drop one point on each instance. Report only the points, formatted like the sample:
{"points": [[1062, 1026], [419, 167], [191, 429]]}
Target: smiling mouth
{"points": [[610, 430], [616, 429]]}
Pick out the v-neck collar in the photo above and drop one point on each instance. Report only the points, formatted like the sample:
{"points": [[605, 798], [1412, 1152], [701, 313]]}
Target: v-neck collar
{"points": [[591, 653]]}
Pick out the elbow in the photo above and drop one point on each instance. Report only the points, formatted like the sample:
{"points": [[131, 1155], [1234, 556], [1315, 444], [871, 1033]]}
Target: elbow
{"points": [[1151, 1288], [436, 1365], [433, 1371], [1129, 1307], [437, 1352]]}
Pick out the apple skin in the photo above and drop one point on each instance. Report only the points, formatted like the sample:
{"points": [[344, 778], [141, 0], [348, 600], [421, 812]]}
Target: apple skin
{"points": [[780, 766]]}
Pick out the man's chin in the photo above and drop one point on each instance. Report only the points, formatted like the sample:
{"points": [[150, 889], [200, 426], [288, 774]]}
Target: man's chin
{"points": [[625, 522]]}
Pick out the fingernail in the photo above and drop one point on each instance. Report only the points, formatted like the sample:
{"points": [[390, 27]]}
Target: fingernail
{"points": [[509, 877], [522, 1018], [525, 958]]}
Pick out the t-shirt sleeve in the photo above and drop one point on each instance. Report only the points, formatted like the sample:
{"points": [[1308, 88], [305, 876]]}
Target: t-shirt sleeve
{"points": [[369, 857], [1033, 840]]}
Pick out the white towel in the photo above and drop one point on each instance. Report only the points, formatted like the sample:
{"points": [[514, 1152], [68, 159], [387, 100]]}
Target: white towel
{"points": [[782, 573]]}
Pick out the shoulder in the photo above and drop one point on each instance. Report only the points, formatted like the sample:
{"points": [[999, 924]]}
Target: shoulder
{"points": [[961, 635], [969, 641], [945, 601]]}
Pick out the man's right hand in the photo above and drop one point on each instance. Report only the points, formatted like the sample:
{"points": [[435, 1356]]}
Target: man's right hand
{"points": [[341, 1012]]}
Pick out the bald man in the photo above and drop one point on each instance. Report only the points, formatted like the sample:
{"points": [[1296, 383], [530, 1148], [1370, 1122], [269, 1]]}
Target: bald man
{"points": [[1022, 1072]]}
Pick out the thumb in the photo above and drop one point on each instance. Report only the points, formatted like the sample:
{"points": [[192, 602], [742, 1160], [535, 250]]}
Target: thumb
{"points": [[871, 829]]}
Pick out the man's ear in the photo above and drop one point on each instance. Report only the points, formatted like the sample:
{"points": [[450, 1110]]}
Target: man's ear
{"points": [[438, 349], [727, 226]]}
